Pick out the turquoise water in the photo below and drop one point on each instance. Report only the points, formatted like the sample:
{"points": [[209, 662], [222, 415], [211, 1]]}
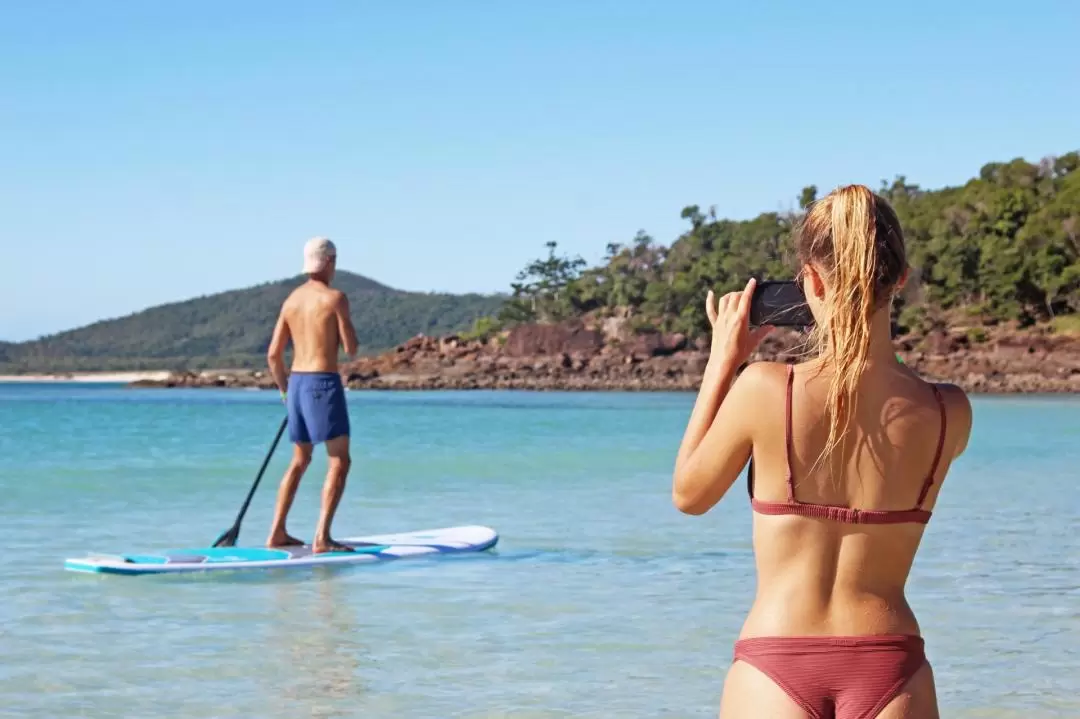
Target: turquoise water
{"points": [[600, 601]]}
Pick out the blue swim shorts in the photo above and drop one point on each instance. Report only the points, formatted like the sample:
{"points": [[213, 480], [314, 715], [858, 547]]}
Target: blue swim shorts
{"points": [[316, 407]]}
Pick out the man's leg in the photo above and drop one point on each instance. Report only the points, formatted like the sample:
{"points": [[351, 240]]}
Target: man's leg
{"points": [[339, 462], [300, 436], [286, 492]]}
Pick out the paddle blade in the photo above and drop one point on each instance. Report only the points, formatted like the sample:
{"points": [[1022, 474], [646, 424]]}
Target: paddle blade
{"points": [[228, 538]]}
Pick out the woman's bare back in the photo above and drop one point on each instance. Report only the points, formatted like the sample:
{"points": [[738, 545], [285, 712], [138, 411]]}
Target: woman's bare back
{"points": [[820, 576]]}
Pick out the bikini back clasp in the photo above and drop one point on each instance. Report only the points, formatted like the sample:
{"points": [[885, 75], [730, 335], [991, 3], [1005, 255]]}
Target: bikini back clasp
{"points": [[836, 513]]}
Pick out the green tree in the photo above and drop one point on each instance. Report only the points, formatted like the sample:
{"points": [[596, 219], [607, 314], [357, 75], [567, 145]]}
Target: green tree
{"points": [[1004, 246], [540, 291]]}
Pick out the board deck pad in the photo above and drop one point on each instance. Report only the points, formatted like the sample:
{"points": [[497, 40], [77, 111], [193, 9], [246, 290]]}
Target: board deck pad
{"points": [[448, 540]]}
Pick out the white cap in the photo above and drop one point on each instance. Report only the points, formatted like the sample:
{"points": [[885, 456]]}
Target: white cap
{"points": [[317, 254]]}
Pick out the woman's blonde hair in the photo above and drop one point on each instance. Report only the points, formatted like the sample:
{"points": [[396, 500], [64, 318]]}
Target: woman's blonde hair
{"points": [[853, 239]]}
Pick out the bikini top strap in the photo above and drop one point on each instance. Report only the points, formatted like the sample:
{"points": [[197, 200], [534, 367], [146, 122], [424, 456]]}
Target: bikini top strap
{"points": [[789, 439], [750, 477], [940, 446]]}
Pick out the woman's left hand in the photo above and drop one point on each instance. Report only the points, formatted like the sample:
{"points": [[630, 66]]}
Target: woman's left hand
{"points": [[732, 339]]}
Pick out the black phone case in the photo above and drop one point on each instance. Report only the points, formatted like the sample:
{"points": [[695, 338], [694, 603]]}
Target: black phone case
{"points": [[780, 303]]}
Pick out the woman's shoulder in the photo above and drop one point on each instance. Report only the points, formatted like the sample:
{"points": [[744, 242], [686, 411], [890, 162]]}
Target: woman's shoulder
{"points": [[764, 377], [957, 412], [951, 395], [759, 385]]}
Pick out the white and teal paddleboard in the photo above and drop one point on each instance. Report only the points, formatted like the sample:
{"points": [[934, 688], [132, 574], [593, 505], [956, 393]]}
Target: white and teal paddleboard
{"points": [[381, 547]]}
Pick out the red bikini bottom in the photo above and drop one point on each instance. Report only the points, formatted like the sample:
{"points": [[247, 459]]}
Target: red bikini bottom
{"points": [[836, 677]]}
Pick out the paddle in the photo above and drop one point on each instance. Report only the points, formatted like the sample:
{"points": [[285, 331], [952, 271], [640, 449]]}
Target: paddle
{"points": [[228, 537]]}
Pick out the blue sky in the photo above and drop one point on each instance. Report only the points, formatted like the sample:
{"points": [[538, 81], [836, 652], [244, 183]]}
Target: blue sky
{"points": [[152, 152]]}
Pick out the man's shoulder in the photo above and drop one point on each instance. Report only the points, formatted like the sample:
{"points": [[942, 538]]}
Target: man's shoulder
{"points": [[337, 297], [290, 299], [315, 297]]}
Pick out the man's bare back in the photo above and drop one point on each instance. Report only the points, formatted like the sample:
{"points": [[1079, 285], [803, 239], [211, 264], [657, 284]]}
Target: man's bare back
{"points": [[315, 317]]}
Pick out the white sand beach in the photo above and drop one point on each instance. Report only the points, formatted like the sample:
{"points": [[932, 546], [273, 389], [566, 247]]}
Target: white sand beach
{"points": [[104, 377]]}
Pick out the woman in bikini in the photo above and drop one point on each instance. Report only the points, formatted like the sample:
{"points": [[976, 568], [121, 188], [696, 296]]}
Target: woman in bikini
{"points": [[847, 455]]}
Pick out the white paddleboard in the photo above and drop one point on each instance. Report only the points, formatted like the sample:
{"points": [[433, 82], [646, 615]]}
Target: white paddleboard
{"points": [[380, 547]]}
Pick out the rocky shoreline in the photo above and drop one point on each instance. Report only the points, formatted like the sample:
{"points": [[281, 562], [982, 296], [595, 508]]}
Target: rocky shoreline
{"points": [[574, 356]]}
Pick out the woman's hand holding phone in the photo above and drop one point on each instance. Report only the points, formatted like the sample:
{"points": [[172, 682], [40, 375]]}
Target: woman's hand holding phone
{"points": [[732, 339]]}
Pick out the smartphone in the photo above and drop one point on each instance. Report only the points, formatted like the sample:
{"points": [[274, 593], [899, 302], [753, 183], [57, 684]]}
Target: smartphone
{"points": [[780, 303]]}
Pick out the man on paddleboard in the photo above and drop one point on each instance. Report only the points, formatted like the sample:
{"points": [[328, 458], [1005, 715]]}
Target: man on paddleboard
{"points": [[316, 318]]}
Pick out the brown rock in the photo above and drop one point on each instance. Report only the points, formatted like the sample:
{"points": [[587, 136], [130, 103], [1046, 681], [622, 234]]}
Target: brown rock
{"points": [[656, 344], [537, 339], [939, 342], [574, 356]]}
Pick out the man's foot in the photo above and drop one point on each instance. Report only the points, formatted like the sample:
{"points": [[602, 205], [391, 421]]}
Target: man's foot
{"points": [[329, 545], [284, 540]]}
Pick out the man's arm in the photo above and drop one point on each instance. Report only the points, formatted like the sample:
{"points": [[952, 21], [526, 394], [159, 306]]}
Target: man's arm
{"points": [[346, 331], [275, 353]]}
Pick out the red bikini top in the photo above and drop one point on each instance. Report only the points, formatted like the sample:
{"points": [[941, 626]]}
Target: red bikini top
{"points": [[846, 515]]}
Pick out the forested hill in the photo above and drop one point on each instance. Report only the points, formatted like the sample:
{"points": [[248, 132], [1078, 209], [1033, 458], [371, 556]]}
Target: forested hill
{"points": [[232, 329], [1004, 247]]}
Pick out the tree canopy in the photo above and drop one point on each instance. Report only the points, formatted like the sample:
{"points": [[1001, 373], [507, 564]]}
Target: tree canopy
{"points": [[1004, 246]]}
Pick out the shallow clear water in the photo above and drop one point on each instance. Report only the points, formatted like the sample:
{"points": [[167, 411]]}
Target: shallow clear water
{"points": [[600, 601]]}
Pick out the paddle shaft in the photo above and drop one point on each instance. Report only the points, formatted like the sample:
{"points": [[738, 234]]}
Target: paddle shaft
{"points": [[235, 529]]}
